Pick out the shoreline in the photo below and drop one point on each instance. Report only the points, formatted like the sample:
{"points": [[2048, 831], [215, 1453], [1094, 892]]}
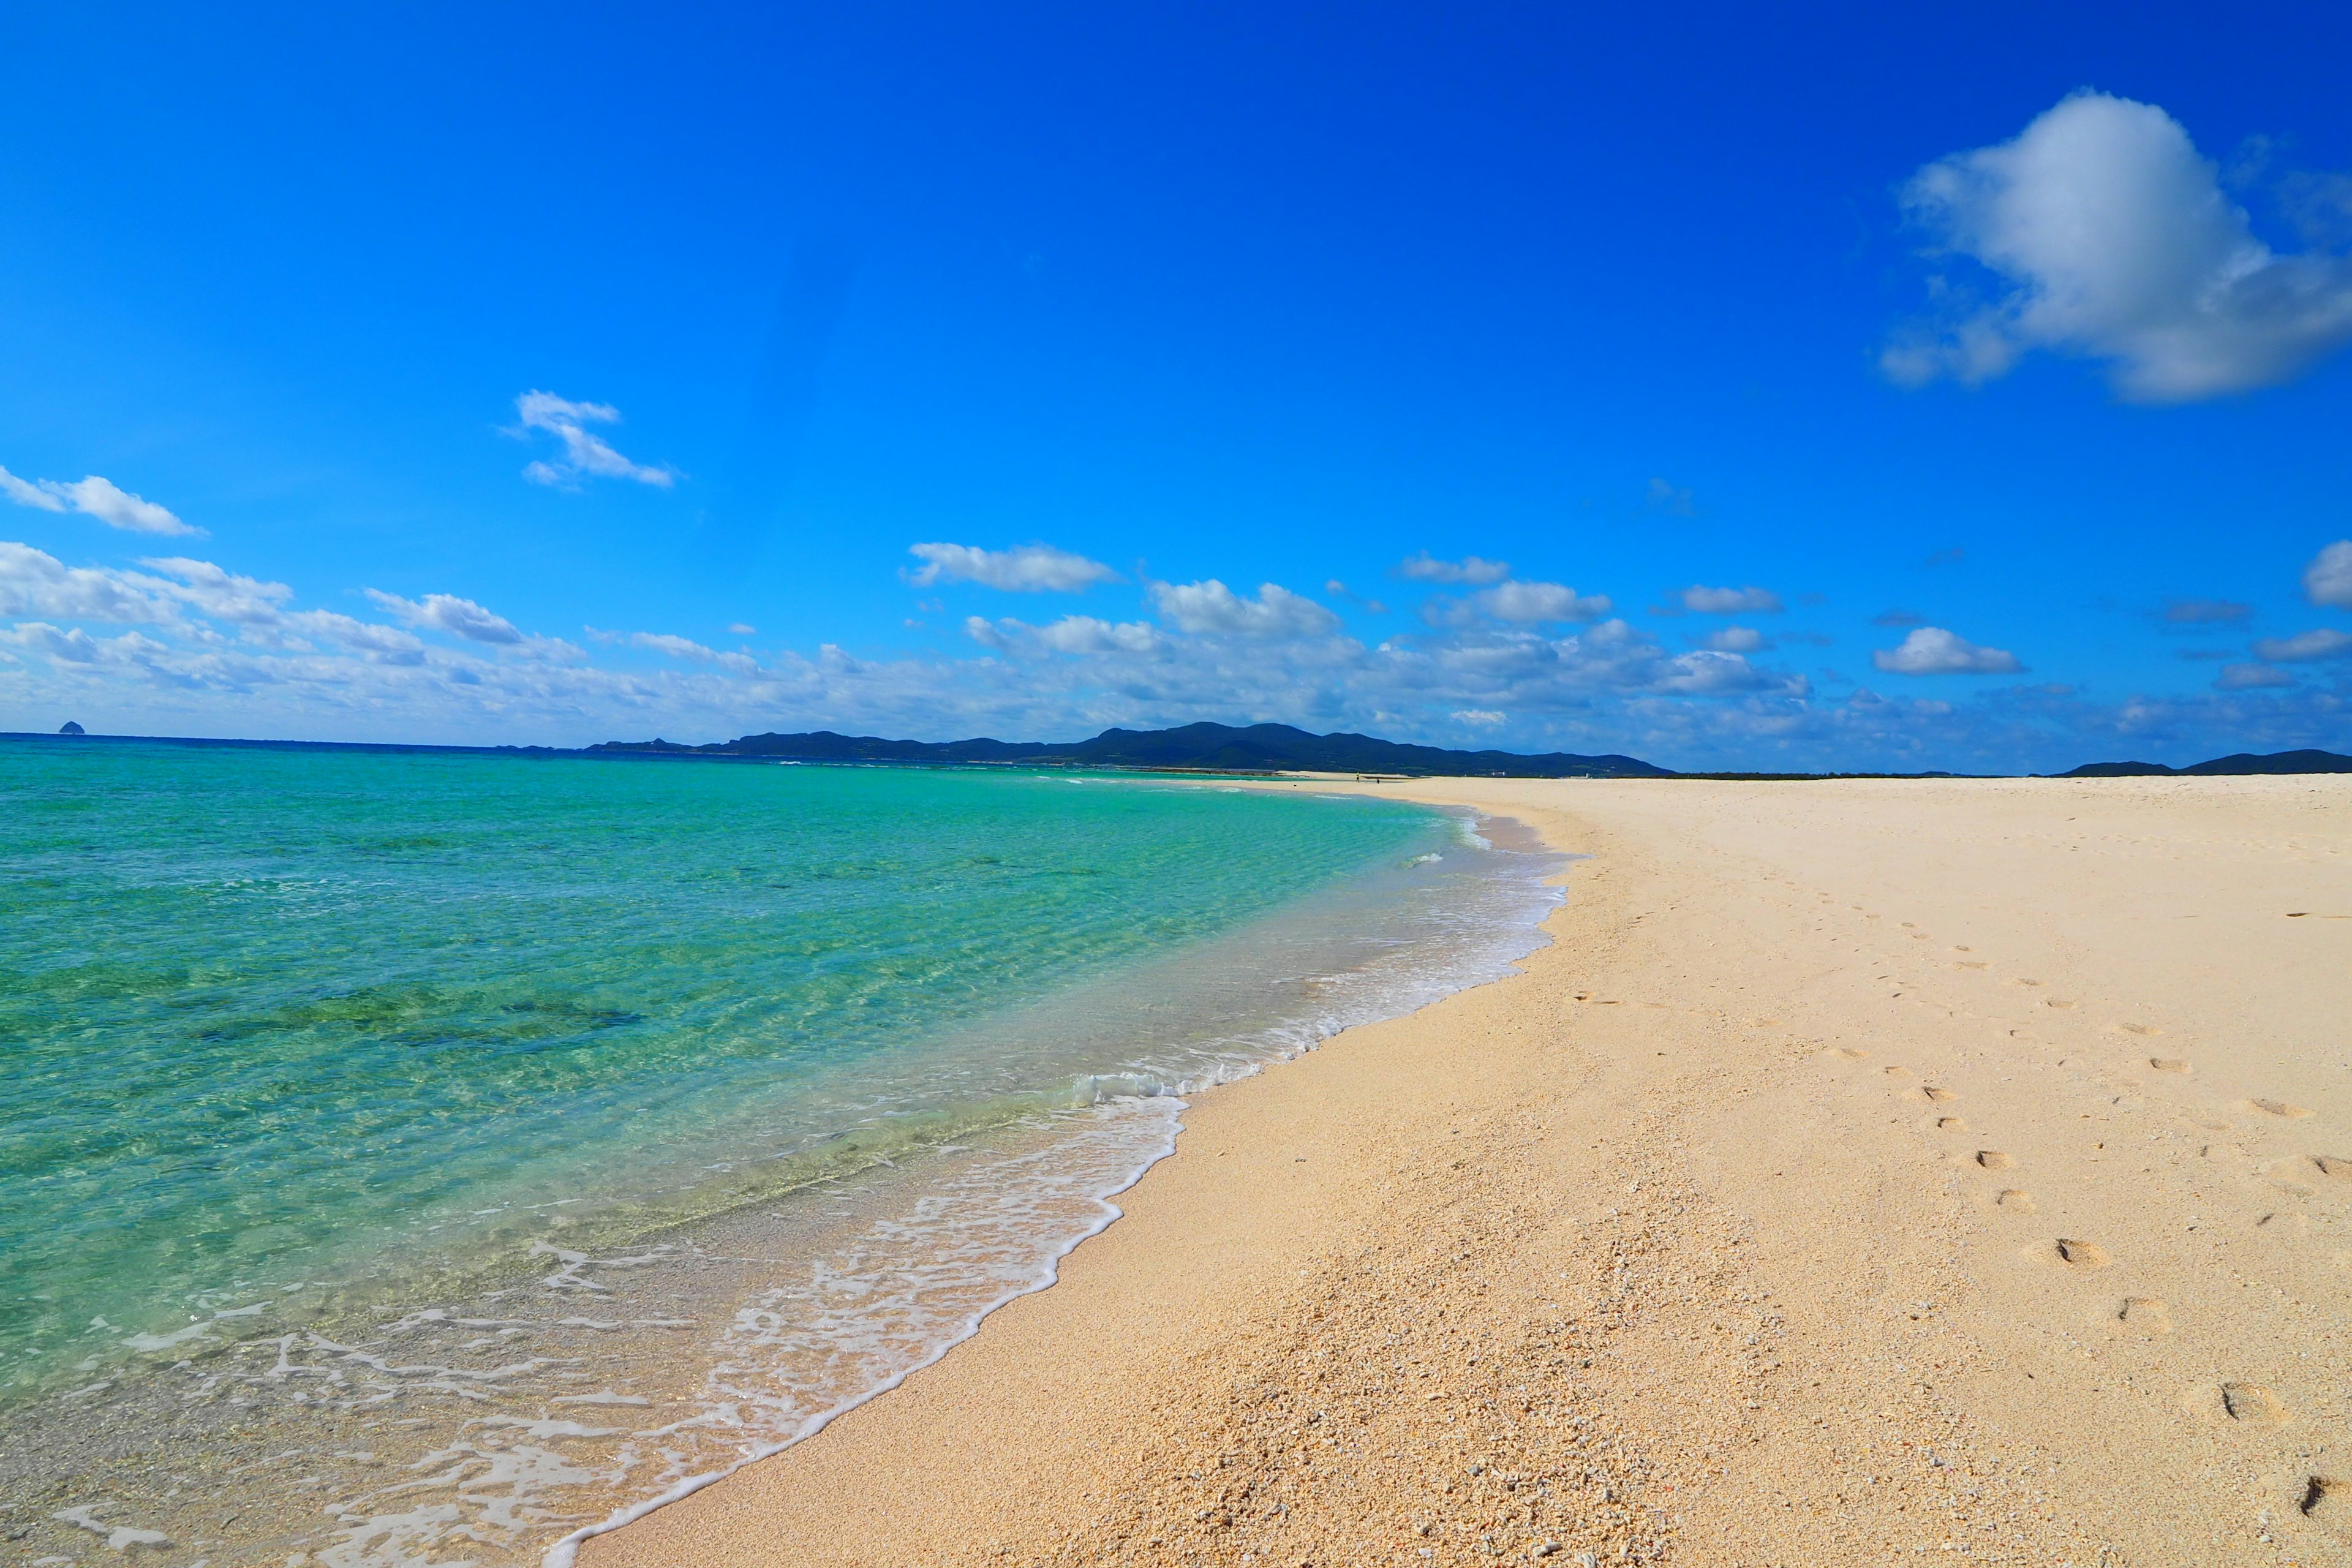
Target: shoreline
{"points": [[1647, 1253], [1480, 826]]}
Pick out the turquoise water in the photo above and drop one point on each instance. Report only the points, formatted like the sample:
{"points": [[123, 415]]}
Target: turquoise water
{"points": [[264, 1010], [547, 1135]]}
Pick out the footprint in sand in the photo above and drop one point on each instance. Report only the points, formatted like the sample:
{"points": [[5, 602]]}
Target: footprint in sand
{"points": [[1994, 1160], [1966, 964], [2055, 1002], [2076, 1254], [2329, 1165], [2025, 982], [2167, 1064], [2328, 1503], [1930, 1091], [2140, 1028], [2272, 1108], [1897, 1072], [2235, 1403], [2016, 1200], [2144, 1315], [1950, 1124], [1848, 1052]]}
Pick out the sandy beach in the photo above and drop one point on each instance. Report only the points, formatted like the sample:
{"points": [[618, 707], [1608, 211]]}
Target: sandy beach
{"points": [[1869, 1169]]}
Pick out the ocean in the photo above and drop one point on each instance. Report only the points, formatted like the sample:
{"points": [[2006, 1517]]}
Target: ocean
{"points": [[423, 1158]]}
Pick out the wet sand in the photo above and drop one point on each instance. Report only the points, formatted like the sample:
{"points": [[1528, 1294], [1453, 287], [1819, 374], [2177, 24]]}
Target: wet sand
{"points": [[1869, 1169]]}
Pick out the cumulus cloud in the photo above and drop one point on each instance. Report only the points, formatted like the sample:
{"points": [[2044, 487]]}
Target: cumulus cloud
{"points": [[94, 497], [2324, 642], [1210, 608], [2112, 238], [34, 582], [1423, 567], [1070, 635], [1531, 602], [1932, 650], [2250, 677], [585, 455], [1026, 569], [447, 612], [222, 595], [2328, 579], [1729, 601]]}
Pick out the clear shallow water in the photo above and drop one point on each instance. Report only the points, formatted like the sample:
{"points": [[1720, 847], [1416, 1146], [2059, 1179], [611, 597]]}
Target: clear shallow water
{"points": [[497, 1143]]}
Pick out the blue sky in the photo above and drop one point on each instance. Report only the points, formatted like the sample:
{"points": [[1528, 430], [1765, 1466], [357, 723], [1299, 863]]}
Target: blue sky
{"points": [[493, 375]]}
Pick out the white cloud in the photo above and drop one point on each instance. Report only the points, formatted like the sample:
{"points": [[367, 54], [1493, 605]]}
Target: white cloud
{"points": [[220, 595], [1729, 601], [2328, 579], [26, 493], [2250, 677], [1423, 567], [94, 497], [1026, 569], [361, 637], [1210, 608], [1529, 603], [2323, 643], [584, 455], [2114, 240], [1480, 716], [1071, 634], [447, 612], [685, 648], [1932, 650], [1735, 639], [741, 630], [33, 582]]}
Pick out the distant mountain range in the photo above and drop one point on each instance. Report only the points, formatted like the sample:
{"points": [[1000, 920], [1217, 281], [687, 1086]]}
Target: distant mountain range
{"points": [[2239, 763], [1207, 748]]}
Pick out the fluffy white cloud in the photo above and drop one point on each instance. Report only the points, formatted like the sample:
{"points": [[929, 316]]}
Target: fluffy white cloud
{"points": [[26, 493], [447, 612], [1729, 601], [2113, 239], [1026, 569], [1932, 650], [1423, 567], [1071, 634], [34, 582], [2328, 579], [1530, 603], [1483, 717], [94, 497], [361, 637], [221, 595], [585, 453], [1212, 607], [2324, 642]]}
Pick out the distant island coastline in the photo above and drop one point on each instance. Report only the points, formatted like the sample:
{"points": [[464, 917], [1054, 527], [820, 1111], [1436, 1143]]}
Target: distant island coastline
{"points": [[1202, 748]]}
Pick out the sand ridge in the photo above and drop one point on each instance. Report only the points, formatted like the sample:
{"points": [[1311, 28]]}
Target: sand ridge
{"points": [[1870, 1169]]}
